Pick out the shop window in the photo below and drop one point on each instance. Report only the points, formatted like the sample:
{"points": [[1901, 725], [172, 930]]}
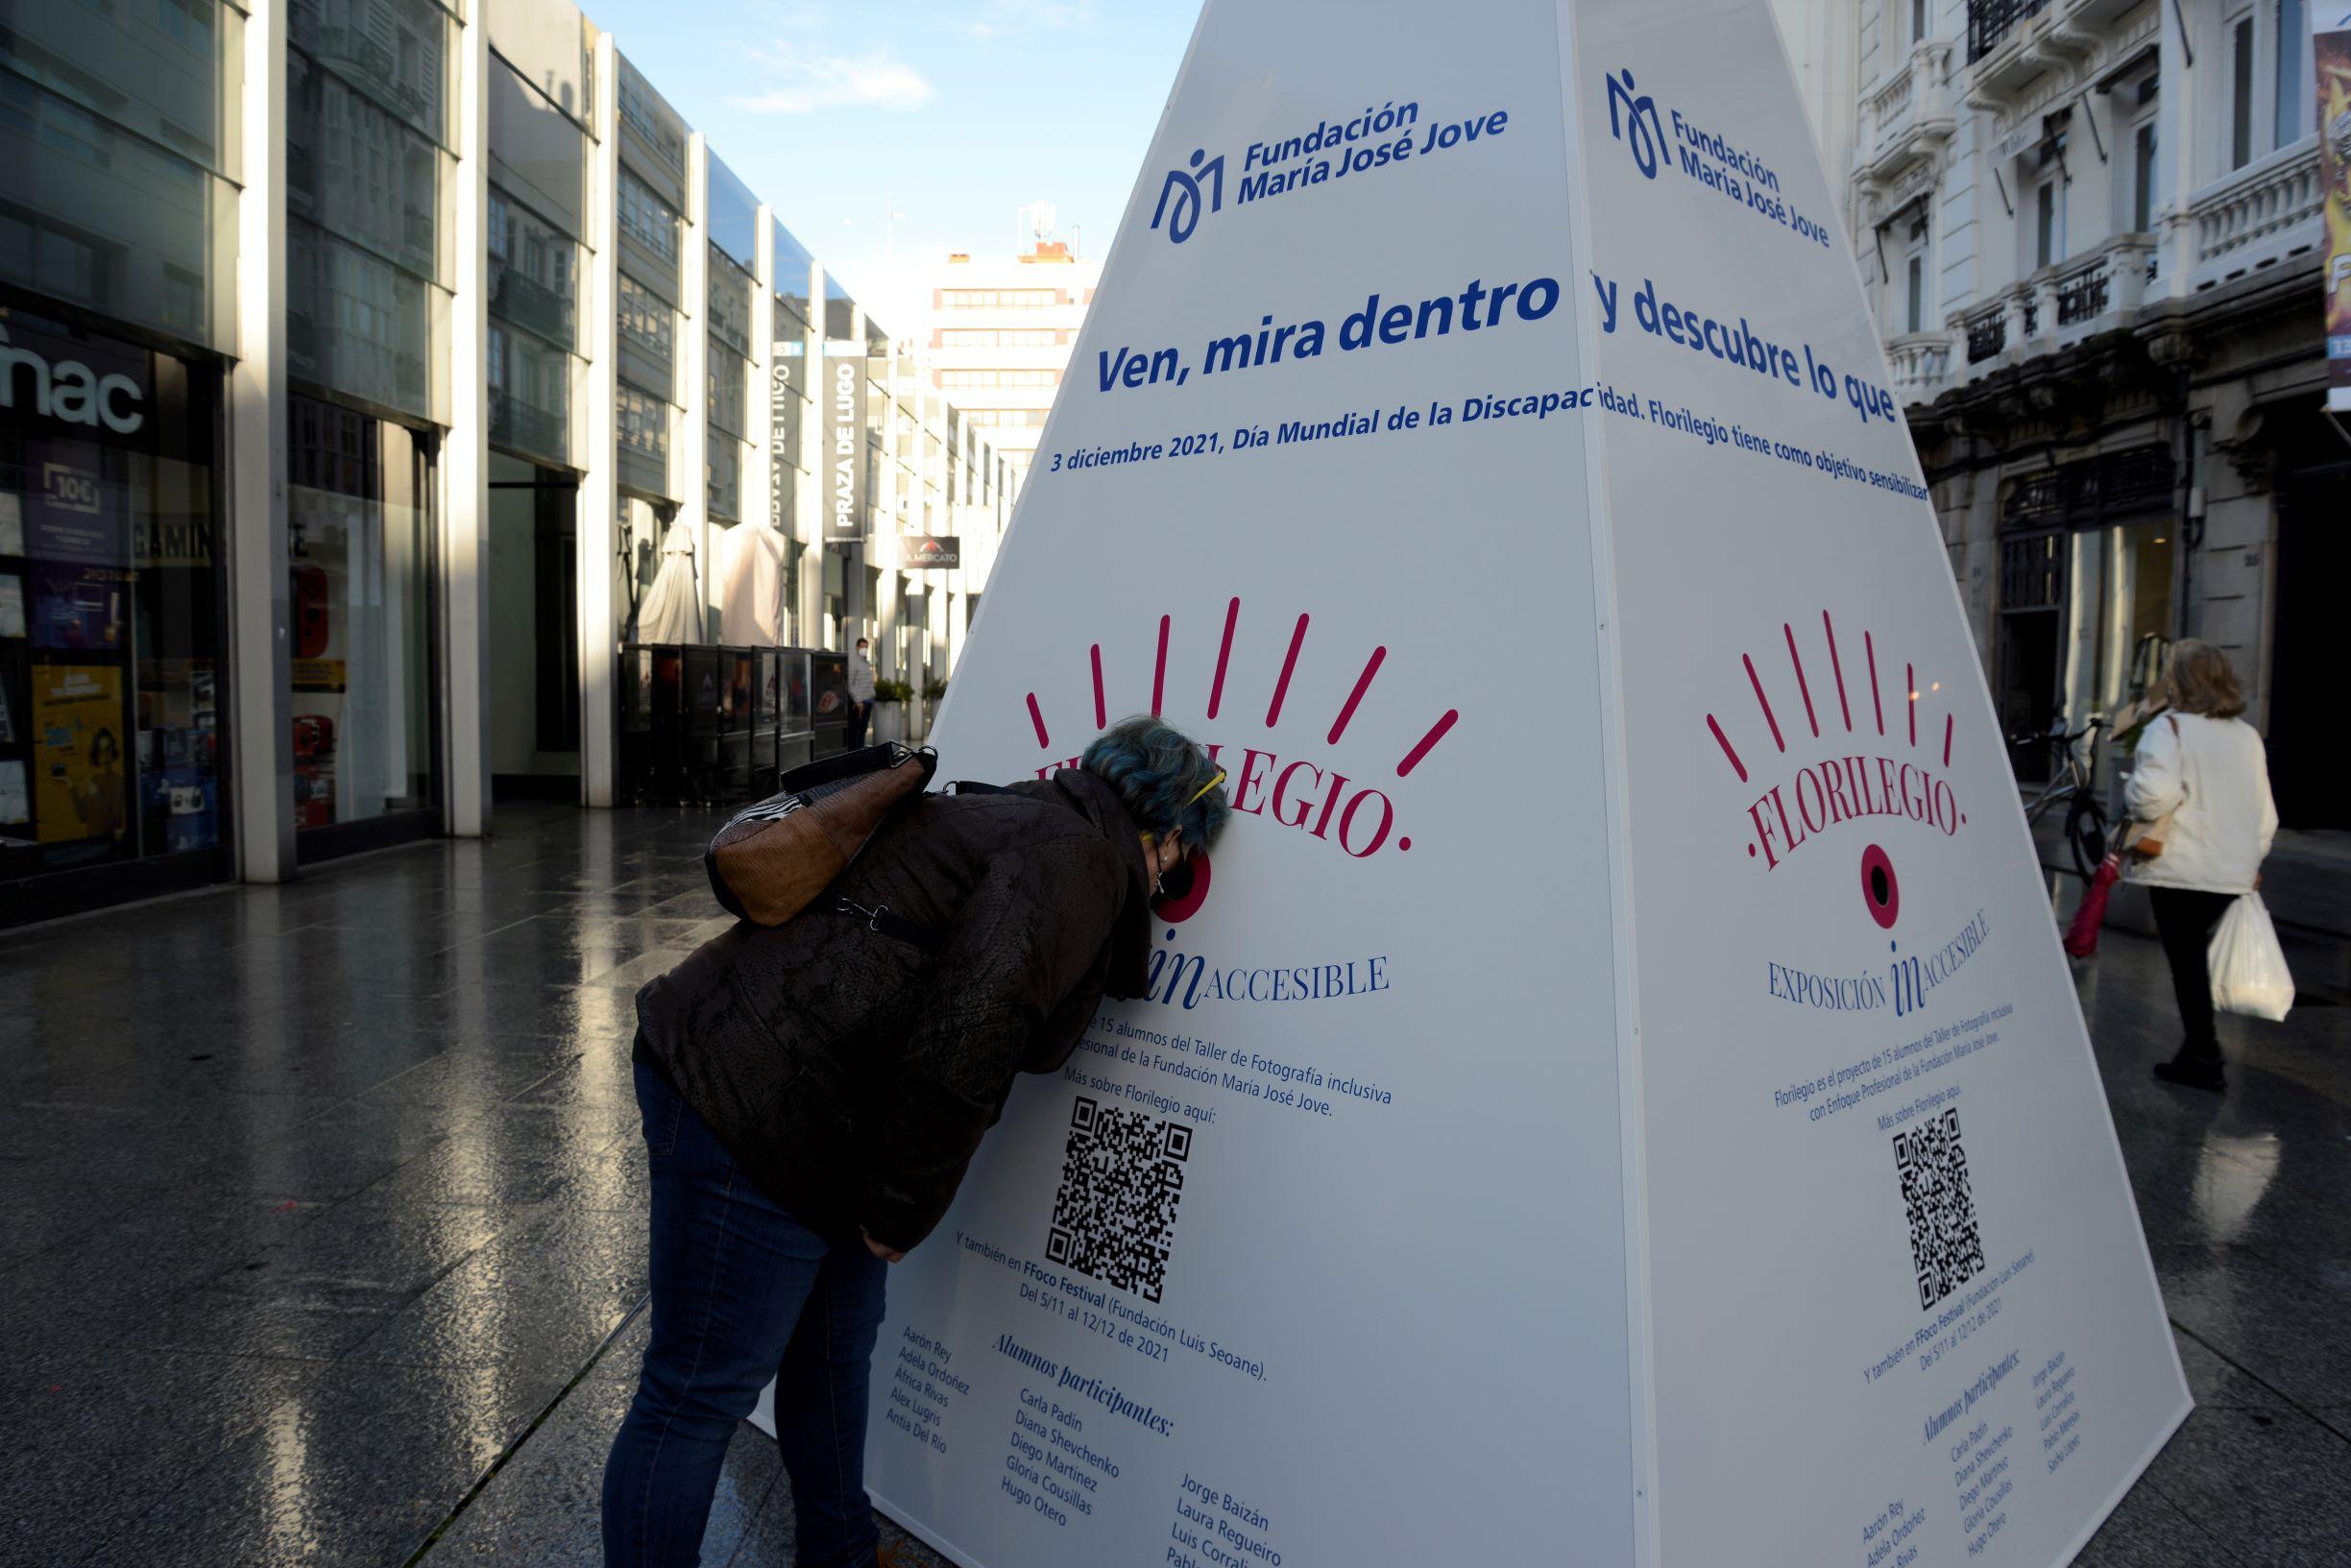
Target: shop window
{"points": [[111, 623], [360, 560]]}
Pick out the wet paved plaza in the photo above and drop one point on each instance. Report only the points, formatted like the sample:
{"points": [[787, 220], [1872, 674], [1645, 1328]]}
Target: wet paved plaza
{"points": [[321, 1223]]}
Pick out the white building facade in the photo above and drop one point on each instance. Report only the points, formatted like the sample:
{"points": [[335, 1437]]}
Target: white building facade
{"points": [[1001, 334], [2091, 230], [422, 339]]}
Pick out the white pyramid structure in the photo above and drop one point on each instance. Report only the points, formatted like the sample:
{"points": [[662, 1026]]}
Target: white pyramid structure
{"points": [[1617, 1097]]}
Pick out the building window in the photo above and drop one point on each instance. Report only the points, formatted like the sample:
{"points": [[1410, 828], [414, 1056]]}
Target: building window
{"points": [[2143, 178], [2293, 81], [2050, 203], [645, 423], [1000, 298], [993, 337], [646, 218], [1915, 280], [1000, 378], [729, 378], [1917, 22], [649, 334], [2240, 93]]}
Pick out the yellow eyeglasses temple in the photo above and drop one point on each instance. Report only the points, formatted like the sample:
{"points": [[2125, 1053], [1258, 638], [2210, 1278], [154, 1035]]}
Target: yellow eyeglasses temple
{"points": [[1205, 788]]}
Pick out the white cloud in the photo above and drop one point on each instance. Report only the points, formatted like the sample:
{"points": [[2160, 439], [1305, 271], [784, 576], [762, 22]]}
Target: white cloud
{"points": [[1011, 18], [806, 81]]}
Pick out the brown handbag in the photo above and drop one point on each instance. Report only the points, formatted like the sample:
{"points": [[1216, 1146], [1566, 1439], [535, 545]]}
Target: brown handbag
{"points": [[773, 859]]}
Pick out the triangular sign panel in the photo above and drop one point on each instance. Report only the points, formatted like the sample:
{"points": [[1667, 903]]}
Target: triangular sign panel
{"points": [[1616, 1097]]}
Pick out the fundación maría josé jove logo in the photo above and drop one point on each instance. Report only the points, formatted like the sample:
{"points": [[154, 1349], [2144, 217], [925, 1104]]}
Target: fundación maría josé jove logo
{"points": [[1382, 136], [1310, 784], [1632, 119], [1711, 158], [1182, 188], [1869, 782]]}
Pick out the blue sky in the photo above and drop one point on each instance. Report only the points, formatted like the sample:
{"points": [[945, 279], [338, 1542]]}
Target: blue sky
{"points": [[954, 115]]}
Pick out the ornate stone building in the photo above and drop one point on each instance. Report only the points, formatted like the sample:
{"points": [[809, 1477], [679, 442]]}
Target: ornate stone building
{"points": [[2090, 230]]}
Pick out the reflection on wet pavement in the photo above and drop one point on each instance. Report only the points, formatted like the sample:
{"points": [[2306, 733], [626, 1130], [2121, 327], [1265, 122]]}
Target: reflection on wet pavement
{"points": [[323, 1232]]}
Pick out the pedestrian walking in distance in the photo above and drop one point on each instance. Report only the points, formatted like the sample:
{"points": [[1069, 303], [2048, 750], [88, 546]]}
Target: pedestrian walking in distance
{"points": [[860, 694], [2203, 768], [813, 1091]]}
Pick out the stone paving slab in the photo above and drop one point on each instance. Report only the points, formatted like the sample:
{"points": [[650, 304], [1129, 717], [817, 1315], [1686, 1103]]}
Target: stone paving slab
{"points": [[322, 1224]]}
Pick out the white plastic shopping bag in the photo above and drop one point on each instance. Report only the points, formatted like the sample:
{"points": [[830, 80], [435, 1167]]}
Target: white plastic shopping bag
{"points": [[2249, 967]]}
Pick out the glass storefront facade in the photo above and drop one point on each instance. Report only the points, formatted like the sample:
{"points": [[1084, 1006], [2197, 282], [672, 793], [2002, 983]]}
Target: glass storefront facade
{"points": [[449, 569], [121, 130], [370, 261], [113, 613]]}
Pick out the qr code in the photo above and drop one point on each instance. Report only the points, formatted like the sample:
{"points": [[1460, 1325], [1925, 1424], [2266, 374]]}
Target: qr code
{"points": [[1945, 1248], [1114, 1217]]}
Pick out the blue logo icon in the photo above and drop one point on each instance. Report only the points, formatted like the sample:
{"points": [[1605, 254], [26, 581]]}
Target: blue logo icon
{"points": [[1184, 190], [1636, 118]]}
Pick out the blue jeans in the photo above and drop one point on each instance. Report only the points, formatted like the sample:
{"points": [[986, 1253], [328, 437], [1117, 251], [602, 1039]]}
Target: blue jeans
{"points": [[741, 1292]]}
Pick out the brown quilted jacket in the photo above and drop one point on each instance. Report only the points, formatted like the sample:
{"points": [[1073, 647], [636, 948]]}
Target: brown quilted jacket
{"points": [[852, 1076]]}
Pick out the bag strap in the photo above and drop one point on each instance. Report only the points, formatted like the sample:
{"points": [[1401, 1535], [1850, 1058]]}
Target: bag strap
{"points": [[881, 922]]}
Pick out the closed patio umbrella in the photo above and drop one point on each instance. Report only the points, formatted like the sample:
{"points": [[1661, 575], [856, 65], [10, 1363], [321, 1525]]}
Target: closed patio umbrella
{"points": [[672, 608]]}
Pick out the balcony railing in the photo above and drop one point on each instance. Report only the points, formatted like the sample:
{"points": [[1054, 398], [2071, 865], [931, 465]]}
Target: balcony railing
{"points": [[1891, 105], [1921, 364], [2262, 212], [2082, 297], [1987, 336], [1991, 21], [514, 422], [517, 297]]}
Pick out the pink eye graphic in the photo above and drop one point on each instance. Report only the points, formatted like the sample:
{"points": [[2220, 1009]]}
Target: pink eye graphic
{"points": [[1176, 910], [1879, 888]]}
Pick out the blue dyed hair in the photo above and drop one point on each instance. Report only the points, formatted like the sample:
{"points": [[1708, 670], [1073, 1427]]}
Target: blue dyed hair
{"points": [[1156, 770]]}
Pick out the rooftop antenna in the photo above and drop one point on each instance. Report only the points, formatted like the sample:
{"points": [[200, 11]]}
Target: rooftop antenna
{"points": [[1035, 222]]}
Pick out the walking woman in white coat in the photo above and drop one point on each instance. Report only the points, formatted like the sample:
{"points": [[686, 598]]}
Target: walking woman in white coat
{"points": [[2205, 769]]}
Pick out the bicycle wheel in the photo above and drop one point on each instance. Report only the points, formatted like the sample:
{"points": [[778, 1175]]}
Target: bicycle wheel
{"points": [[2086, 833]]}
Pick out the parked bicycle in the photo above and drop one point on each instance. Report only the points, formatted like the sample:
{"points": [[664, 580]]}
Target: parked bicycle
{"points": [[2072, 785]]}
